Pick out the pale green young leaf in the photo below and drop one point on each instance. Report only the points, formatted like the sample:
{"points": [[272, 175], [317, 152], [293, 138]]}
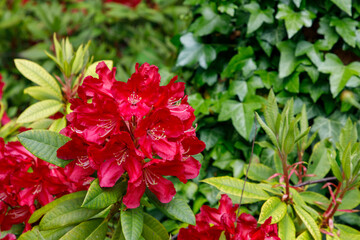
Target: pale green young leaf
{"points": [[177, 208], [84, 229], [287, 228], [153, 229], [348, 232], [40, 110], [268, 131], [91, 70], [304, 236], [289, 139], [315, 198], [37, 74], [302, 135], [58, 125], [99, 198], [40, 212], [258, 16], [132, 221], [271, 112], [58, 49], [259, 172], [348, 135], [274, 208], [234, 186], [309, 222], [346, 161], [335, 168], [294, 21], [42, 93], [44, 144]]}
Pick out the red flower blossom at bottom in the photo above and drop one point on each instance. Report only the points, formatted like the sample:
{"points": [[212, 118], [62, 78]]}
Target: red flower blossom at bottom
{"points": [[211, 222]]}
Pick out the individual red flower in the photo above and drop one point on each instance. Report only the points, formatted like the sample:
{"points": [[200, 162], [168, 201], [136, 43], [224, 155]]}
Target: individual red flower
{"points": [[136, 129], [211, 222], [129, 3]]}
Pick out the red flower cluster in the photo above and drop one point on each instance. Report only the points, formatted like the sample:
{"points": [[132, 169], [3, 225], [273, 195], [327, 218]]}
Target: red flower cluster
{"points": [[138, 127], [26, 183], [211, 222], [129, 3]]}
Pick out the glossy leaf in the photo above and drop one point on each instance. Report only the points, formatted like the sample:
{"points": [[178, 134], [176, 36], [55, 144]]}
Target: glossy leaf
{"points": [[274, 208], [177, 208], [319, 164], [42, 93], [99, 198], [40, 110], [304, 236], [38, 75], [40, 212], [257, 16], [44, 144], [83, 230], [288, 60], [344, 5], [132, 221], [153, 229]]}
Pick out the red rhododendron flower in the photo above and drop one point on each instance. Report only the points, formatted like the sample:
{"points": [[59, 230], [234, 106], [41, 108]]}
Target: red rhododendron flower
{"points": [[211, 222], [136, 129], [26, 183]]}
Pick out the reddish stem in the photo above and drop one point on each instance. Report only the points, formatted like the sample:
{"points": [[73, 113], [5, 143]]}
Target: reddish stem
{"points": [[286, 176]]}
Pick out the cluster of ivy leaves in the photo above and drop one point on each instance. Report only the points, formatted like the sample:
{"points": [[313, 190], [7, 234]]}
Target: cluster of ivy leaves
{"points": [[235, 51]]}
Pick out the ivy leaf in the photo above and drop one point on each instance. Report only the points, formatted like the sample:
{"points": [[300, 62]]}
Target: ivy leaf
{"points": [[238, 62], [241, 114], [330, 36], [210, 22], [294, 21], [328, 128], [288, 61], [346, 28], [258, 16], [195, 51], [344, 5], [319, 164], [339, 73], [308, 49]]}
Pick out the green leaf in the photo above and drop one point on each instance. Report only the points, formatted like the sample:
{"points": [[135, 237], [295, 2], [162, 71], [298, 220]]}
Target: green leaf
{"points": [[44, 144], [330, 36], [309, 222], [234, 186], [274, 208], [153, 229], [99, 232], [58, 125], [241, 115], [350, 201], [258, 16], [271, 111], [288, 61], [346, 28], [40, 212], [37, 74], [327, 128], [177, 208], [65, 214], [99, 198], [268, 131], [42, 93], [344, 5], [348, 232], [314, 198], [195, 51], [319, 164], [40, 110], [55, 234], [346, 161], [304, 236], [294, 21], [210, 22], [238, 62], [335, 168], [132, 221], [260, 172], [287, 228], [91, 70], [118, 234], [84, 230]]}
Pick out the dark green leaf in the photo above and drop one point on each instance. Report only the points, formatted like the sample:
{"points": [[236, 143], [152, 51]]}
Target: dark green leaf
{"points": [[44, 144], [132, 221], [153, 229], [84, 229], [258, 16], [346, 28]]}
